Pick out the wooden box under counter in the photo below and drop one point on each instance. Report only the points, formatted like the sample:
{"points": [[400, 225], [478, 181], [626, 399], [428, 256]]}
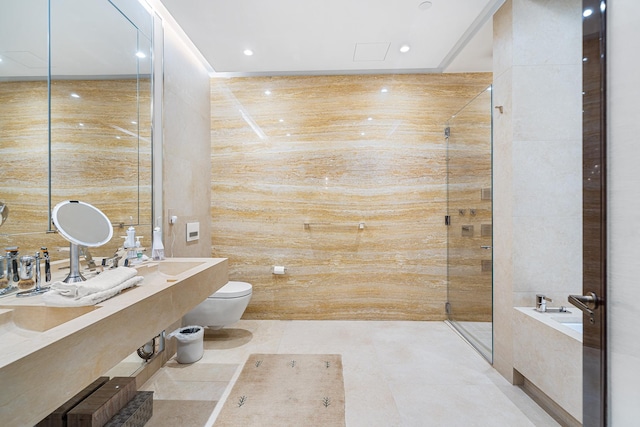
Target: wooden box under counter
{"points": [[97, 409], [58, 418]]}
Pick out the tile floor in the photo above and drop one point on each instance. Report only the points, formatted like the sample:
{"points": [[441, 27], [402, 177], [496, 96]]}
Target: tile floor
{"points": [[396, 374]]}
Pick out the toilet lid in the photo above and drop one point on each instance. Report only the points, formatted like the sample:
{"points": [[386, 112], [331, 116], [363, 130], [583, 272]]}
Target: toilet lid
{"points": [[233, 290]]}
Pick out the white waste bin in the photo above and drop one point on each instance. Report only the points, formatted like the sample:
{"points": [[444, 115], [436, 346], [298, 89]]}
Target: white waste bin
{"points": [[190, 343]]}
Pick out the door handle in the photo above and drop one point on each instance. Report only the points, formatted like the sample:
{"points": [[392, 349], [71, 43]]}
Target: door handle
{"points": [[485, 247], [587, 303]]}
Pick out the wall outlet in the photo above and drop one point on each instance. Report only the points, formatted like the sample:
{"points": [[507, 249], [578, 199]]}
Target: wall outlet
{"points": [[193, 231]]}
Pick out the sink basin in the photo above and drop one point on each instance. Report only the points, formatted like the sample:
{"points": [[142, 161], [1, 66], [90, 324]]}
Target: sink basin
{"points": [[574, 323], [176, 268], [167, 267], [39, 318]]}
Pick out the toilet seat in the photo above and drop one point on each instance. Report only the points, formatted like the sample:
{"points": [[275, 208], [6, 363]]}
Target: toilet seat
{"points": [[232, 290]]}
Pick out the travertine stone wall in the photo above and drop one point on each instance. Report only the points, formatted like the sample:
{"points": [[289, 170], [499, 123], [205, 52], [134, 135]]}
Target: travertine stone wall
{"points": [[333, 152], [101, 154]]}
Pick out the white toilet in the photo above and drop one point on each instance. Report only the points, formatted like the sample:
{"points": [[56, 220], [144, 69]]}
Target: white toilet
{"points": [[222, 308]]}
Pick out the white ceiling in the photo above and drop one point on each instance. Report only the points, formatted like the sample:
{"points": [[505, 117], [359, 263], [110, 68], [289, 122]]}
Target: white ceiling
{"points": [[89, 38], [338, 36]]}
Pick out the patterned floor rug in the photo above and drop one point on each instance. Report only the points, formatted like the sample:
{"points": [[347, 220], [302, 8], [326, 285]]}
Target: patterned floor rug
{"points": [[287, 390]]}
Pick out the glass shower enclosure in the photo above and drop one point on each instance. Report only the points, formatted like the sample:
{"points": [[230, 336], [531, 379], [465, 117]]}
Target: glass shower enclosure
{"points": [[468, 138]]}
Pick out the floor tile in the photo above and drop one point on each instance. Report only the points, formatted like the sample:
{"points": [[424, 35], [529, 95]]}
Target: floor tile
{"points": [[183, 413], [401, 374]]}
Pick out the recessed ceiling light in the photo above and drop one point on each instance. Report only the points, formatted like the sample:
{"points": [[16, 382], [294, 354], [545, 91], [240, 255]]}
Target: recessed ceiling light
{"points": [[384, 90], [81, 124], [281, 120], [0, 59], [369, 118], [425, 5], [134, 123], [248, 52], [587, 13], [140, 55], [405, 48], [75, 95], [267, 92]]}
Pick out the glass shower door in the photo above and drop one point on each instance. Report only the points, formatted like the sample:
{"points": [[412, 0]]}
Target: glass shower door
{"points": [[469, 219]]}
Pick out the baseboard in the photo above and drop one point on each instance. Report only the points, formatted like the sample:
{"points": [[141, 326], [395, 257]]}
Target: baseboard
{"points": [[556, 411]]}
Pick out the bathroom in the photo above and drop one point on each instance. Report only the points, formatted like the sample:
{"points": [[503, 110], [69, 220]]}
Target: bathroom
{"points": [[249, 224]]}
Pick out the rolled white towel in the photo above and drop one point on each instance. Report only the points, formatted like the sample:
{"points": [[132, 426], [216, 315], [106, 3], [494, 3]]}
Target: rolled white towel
{"points": [[102, 282]]}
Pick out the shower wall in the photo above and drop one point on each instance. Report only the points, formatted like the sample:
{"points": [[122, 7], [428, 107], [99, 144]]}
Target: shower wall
{"points": [[341, 180]]}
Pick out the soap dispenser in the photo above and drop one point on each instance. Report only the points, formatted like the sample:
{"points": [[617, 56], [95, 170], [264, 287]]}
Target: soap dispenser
{"points": [[130, 241], [157, 249]]}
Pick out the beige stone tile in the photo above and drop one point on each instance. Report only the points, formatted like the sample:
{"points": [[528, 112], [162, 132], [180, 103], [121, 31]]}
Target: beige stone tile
{"points": [[199, 371], [183, 413], [548, 178], [165, 388], [457, 405], [241, 339], [547, 103], [331, 337], [549, 260], [394, 373], [537, 26]]}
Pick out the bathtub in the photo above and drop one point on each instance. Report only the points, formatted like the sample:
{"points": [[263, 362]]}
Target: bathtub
{"points": [[547, 351]]}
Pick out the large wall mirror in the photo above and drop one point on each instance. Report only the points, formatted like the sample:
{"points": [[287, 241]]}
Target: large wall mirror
{"points": [[75, 115]]}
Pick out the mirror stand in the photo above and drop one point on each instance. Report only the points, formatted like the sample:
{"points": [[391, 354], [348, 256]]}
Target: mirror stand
{"points": [[74, 265]]}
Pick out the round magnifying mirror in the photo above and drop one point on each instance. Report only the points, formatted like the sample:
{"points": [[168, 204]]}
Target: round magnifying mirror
{"points": [[82, 225]]}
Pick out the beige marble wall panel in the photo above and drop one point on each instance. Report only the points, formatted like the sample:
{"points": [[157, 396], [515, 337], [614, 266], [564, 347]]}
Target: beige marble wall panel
{"points": [[186, 149], [333, 152], [99, 156], [623, 212], [537, 160]]}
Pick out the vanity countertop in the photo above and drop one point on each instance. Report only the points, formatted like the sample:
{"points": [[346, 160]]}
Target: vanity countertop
{"points": [[48, 354]]}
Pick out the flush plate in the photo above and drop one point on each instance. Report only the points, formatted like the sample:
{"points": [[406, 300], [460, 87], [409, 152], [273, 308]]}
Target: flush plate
{"points": [[193, 231]]}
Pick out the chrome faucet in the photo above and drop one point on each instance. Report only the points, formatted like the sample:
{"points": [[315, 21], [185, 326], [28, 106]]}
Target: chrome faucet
{"points": [[541, 303]]}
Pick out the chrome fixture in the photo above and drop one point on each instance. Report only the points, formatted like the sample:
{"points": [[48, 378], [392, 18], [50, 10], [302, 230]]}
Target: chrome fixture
{"points": [[541, 303], [12, 273], [4, 213], [38, 288]]}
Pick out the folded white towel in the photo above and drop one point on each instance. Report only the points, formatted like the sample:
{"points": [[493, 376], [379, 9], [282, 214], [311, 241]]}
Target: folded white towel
{"points": [[102, 282], [56, 299]]}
